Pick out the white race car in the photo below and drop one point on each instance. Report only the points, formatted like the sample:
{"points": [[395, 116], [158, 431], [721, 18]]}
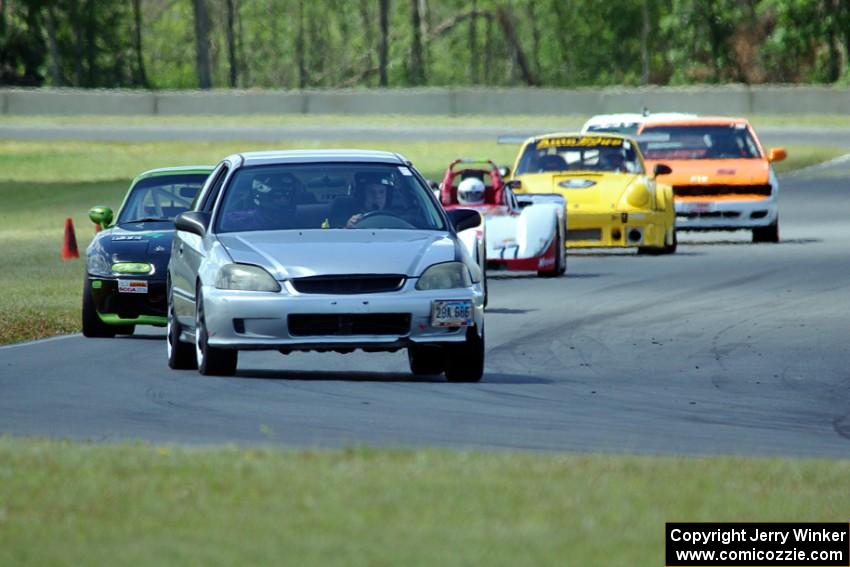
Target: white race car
{"points": [[520, 232], [627, 123]]}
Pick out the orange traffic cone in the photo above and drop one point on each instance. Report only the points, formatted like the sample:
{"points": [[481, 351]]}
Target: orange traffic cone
{"points": [[69, 246]]}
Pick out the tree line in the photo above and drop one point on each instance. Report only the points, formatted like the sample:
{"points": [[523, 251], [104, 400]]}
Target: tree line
{"points": [[297, 44]]}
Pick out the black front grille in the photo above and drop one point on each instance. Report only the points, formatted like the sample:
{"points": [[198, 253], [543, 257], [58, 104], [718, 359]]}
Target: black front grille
{"points": [[585, 234], [349, 284], [312, 325], [715, 190]]}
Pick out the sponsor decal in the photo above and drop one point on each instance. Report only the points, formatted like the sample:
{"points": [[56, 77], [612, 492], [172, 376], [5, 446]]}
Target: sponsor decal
{"points": [[404, 171], [577, 183], [132, 286], [699, 178], [579, 142], [128, 237]]}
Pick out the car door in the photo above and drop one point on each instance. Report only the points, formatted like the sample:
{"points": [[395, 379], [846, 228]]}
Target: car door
{"points": [[187, 251]]}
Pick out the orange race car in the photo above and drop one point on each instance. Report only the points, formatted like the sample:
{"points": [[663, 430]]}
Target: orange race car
{"points": [[722, 178]]}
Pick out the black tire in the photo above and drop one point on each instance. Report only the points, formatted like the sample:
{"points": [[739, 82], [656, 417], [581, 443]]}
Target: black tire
{"points": [[211, 361], [671, 248], [769, 233], [425, 360], [560, 263], [465, 361], [181, 356], [563, 259], [124, 329], [657, 251], [93, 327]]}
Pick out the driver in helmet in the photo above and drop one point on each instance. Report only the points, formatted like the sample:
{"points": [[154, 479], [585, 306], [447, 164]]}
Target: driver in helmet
{"points": [[273, 204], [374, 198], [470, 191]]}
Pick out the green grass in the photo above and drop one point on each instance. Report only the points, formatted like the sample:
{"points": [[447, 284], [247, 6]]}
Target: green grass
{"points": [[43, 183], [80, 504]]}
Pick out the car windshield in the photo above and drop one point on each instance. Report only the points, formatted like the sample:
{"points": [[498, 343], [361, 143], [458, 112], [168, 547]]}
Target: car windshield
{"points": [[327, 196], [698, 142], [161, 197], [579, 153]]}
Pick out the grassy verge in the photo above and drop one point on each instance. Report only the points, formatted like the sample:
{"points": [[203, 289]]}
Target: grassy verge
{"points": [[42, 183], [80, 504], [523, 121]]}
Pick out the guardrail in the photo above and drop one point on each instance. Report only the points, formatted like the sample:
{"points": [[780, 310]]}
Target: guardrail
{"points": [[726, 99]]}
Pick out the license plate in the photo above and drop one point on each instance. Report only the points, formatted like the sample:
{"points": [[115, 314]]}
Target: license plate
{"points": [[447, 313], [132, 286]]}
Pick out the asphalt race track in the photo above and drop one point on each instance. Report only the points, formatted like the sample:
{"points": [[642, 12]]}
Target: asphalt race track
{"points": [[771, 135], [726, 347]]}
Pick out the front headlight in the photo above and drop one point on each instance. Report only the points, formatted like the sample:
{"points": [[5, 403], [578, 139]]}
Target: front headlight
{"points": [[638, 196], [450, 275], [98, 266], [246, 277]]}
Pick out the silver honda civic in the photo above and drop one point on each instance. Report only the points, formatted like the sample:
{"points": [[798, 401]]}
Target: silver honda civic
{"points": [[331, 250]]}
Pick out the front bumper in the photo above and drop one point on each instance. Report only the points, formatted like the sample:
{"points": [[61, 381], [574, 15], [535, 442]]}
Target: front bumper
{"points": [[725, 214], [116, 308], [255, 321], [618, 230]]}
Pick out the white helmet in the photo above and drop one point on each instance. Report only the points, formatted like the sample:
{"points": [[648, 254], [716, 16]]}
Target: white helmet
{"points": [[470, 191]]}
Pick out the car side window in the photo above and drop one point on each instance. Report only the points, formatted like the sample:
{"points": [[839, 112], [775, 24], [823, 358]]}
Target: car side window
{"points": [[208, 197]]}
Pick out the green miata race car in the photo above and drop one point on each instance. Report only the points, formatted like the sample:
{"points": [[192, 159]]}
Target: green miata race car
{"points": [[126, 263]]}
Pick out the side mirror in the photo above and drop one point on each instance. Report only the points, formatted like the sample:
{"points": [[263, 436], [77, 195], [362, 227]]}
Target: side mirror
{"points": [[101, 215], [515, 184], [463, 219], [195, 222], [776, 154], [661, 169], [504, 171]]}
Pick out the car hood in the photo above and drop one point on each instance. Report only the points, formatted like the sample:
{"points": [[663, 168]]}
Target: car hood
{"points": [[296, 254], [581, 189], [119, 244], [715, 171]]}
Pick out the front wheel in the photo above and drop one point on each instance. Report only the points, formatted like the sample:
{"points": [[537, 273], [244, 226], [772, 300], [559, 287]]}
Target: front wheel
{"points": [[560, 265], [465, 361], [211, 361], [426, 361], [93, 326], [181, 356], [668, 248], [671, 247], [769, 233]]}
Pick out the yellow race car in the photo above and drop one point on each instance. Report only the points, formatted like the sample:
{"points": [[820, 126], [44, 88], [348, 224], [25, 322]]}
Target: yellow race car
{"points": [[611, 199]]}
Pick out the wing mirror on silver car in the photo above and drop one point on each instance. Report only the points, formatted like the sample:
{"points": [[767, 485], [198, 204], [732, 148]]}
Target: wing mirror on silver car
{"points": [[196, 222], [463, 219]]}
